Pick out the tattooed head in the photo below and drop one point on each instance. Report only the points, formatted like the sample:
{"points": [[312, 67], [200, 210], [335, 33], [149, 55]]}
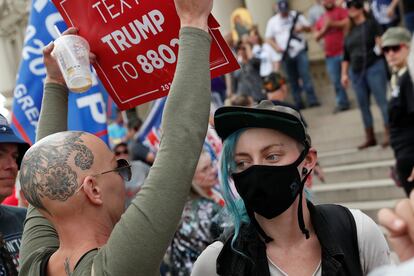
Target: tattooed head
{"points": [[50, 167]]}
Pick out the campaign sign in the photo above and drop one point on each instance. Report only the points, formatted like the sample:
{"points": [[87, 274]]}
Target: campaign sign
{"points": [[136, 43]]}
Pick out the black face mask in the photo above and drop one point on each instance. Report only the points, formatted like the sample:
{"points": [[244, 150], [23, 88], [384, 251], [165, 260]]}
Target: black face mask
{"points": [[271, 190]]}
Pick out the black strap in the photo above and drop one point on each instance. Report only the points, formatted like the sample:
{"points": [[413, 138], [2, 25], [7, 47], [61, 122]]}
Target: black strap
{"points": [[295, 19], [343, 231]]}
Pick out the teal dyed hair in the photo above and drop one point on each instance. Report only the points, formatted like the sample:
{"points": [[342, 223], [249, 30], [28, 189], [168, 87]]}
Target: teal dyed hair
{"points": [[234, 205]]}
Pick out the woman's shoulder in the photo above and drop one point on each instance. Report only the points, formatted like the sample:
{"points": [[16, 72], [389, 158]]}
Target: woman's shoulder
{"points": [[206, 262]]}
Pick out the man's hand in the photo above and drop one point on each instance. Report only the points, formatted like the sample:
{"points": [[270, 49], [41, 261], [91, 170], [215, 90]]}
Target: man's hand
{"points": [[53, 74], [400, 225], [194, 13], [345, 80], [411, 177]]}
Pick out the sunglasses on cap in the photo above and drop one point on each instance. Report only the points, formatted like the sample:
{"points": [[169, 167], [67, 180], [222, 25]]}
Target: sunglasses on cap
{"points": [[355, 4], [394, 48], [123, 168]]}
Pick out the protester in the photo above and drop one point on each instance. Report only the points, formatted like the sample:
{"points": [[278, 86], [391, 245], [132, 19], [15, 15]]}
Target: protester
{"points": [[247, 78], [139, 172], [75, 183], [277, 92], [331, 27], [200, 222], [137, 151], [275, 87], [315, 12], [364, 65], [396, 47], [117, 131], [267, 153], [386, 13], [284, 32], [12, 150], [269, 59]]}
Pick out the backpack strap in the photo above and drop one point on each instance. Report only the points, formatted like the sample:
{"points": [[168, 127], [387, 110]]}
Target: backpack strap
{"points": [[339, 224], [295, 20]]}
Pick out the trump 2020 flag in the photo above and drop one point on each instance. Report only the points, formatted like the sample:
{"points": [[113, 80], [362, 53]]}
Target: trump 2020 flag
{"points": [[150, 132], [87, 111]]}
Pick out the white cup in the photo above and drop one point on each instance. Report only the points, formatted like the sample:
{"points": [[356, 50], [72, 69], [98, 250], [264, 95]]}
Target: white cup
{"points": [[72, 55]]}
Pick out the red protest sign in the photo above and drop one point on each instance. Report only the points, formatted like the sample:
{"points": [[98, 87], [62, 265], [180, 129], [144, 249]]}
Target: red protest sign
{"points": [[136, 42]]}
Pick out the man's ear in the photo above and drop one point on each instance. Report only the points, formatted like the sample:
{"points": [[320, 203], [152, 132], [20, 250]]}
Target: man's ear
{"points": [[310, 159], [92, 190]]}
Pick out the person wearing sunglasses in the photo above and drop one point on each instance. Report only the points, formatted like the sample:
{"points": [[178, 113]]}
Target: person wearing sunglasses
{"points": [[365, 67], [139, 173], [77, 223], [268, 157], [396, 48]]}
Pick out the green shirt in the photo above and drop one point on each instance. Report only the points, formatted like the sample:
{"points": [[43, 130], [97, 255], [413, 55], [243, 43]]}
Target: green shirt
{"points": [[139, 240]]}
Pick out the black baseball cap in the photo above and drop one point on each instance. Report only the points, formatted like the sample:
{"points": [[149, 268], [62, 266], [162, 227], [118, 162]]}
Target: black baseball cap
{"points": [[266, 114], [283, 6], [359, 4], [7, 136]]}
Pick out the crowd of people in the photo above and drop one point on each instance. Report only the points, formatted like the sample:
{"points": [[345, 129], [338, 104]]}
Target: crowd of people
{"points": [[228, 190]]}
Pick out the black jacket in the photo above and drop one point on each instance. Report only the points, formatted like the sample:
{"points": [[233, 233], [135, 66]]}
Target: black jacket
{"points": [[335, 228]]}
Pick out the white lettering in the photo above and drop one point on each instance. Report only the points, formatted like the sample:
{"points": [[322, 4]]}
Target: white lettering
{"points": [[134, 74], [120, 39], [30, 33], [32, 50], [157, 17], [32, 114], [133, 33], [20, 91], [26, 102], [96, 105], [122, 5], [39, 5], [96, 5], [51, 21], [107, 39], [109, 8]]}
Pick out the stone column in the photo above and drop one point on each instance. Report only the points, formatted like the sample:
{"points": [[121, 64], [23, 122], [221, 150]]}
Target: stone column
{"points": [[261, 11], [222, 11]]}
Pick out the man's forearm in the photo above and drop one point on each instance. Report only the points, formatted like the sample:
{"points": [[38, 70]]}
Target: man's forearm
{"points": [[274, 44], [54, 113], [146, 228], [344, 68]]}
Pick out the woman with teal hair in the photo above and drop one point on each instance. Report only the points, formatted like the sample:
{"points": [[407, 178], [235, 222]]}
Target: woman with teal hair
{"points": [[267, 156]]}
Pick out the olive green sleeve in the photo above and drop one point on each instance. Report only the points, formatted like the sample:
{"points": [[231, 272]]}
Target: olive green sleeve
{"points": [[139, 240], [38, 232]]}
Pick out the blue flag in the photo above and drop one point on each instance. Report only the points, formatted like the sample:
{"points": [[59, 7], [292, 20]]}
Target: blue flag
{"points": [[87, 111]]}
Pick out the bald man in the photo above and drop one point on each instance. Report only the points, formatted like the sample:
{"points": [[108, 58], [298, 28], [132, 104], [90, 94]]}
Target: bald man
{"points": [[75, 183]]}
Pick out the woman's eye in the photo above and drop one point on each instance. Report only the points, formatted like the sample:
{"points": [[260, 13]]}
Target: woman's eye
{"points": [[272, 157], [240, 165]]}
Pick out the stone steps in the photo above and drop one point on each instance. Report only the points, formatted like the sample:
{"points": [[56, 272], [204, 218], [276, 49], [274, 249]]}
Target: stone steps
{"points": [[354, 178], [359, 191], [353, 155], [358, 171]]}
